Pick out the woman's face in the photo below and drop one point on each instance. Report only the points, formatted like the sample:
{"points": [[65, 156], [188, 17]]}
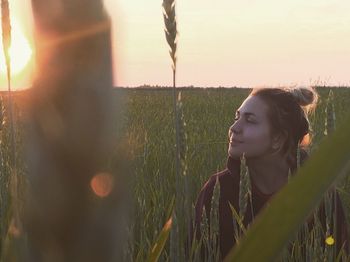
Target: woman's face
{"points": [[250, 133]]}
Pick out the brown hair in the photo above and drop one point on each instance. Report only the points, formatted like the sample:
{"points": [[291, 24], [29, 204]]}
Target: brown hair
{"points": [[288, 114]]}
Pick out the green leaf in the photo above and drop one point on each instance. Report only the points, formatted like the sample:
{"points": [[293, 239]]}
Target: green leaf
{"points": [[291, 206], [160, 243]]}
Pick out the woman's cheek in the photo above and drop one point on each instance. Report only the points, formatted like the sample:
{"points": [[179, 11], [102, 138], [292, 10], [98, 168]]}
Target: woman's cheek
{"points": [[235, 152], [259, 148]]}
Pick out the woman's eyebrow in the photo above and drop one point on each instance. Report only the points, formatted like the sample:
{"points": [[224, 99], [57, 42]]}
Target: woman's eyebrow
{"points": [[245, 113]]}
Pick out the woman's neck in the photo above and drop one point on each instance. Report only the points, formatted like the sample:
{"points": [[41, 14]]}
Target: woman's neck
{"points": [[269, 173]]}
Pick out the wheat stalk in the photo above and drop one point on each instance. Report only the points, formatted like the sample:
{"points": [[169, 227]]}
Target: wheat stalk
{"points": [[244, 188], [184, 193], [79, 153], [6, 43], [330, 197], [214, 248], [330, 114], [169, 16]]}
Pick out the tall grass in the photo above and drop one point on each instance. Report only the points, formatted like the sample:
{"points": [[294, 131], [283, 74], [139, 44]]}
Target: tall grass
{"points": [[208, 114], [149, 123]]}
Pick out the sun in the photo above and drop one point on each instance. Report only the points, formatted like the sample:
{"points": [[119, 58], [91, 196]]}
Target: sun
{"points": [[20, 51]]}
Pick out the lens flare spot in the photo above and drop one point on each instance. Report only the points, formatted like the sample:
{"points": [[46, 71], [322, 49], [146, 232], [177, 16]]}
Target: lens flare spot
{"points": [[102, 184], [14, 230], [306, 140], [20, 50]]}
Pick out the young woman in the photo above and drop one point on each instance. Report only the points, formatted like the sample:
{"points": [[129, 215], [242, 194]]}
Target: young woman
{"points": [[268, 128]]}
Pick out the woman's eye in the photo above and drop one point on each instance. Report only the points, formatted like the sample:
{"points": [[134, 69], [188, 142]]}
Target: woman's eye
{"points": [[247, 119], [250, 120]]}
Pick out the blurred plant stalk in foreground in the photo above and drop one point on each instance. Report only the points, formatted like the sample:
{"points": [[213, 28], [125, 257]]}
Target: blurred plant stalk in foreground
{"points": [[73, 211]]}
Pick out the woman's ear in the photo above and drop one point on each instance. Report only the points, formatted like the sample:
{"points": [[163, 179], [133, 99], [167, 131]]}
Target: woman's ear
{"points": [[278, 141]]}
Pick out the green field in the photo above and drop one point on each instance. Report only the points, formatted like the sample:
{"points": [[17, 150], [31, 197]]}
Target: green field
{"points": [[148, 127], [207, 114]]}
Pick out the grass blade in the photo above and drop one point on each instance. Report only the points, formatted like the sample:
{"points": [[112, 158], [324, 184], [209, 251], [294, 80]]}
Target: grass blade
{"points": [[160, 243]]}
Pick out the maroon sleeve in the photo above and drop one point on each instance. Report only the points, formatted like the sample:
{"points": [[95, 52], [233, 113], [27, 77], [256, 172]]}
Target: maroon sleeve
{"points": [[204, 202], [227, 178], [229, 184]]}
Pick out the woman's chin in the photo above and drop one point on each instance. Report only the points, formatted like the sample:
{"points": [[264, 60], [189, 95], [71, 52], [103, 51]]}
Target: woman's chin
{"points": [[234, 153]]}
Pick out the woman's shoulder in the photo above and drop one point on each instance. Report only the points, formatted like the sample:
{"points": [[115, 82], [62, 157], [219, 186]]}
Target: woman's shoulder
{"points": [[227, 176], [229, 189], [221, 176], [227, 182]]}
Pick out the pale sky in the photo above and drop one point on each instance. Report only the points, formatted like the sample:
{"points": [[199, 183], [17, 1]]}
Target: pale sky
{"points": [[234, 42], [226, 43]]}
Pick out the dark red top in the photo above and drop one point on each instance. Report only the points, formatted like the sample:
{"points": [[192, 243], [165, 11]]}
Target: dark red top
{"points": [[229, 194]]}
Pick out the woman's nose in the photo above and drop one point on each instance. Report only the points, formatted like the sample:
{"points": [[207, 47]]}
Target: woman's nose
{"points": [[235, 128]]}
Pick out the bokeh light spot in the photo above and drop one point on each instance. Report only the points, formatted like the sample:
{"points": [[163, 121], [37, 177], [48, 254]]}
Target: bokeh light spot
{"points": [[102, 184], [13, 229]]}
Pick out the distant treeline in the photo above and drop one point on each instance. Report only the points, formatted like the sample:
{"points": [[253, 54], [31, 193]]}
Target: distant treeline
{"points": [[157, 87]]}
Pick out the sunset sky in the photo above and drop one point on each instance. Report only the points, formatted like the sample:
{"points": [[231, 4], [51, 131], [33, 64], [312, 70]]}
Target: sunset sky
{"points": [[228, 42], [23, 51]]}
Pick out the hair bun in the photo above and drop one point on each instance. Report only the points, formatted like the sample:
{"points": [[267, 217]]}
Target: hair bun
{"points": [[305, 96]]}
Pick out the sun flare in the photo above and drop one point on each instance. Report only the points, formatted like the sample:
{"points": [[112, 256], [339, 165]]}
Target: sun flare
{"points": [[20, 51]]}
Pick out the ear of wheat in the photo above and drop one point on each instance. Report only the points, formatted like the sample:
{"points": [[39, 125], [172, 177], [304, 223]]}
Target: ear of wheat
{"points": [[170, 28], [244, 188], [330, 114]]}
